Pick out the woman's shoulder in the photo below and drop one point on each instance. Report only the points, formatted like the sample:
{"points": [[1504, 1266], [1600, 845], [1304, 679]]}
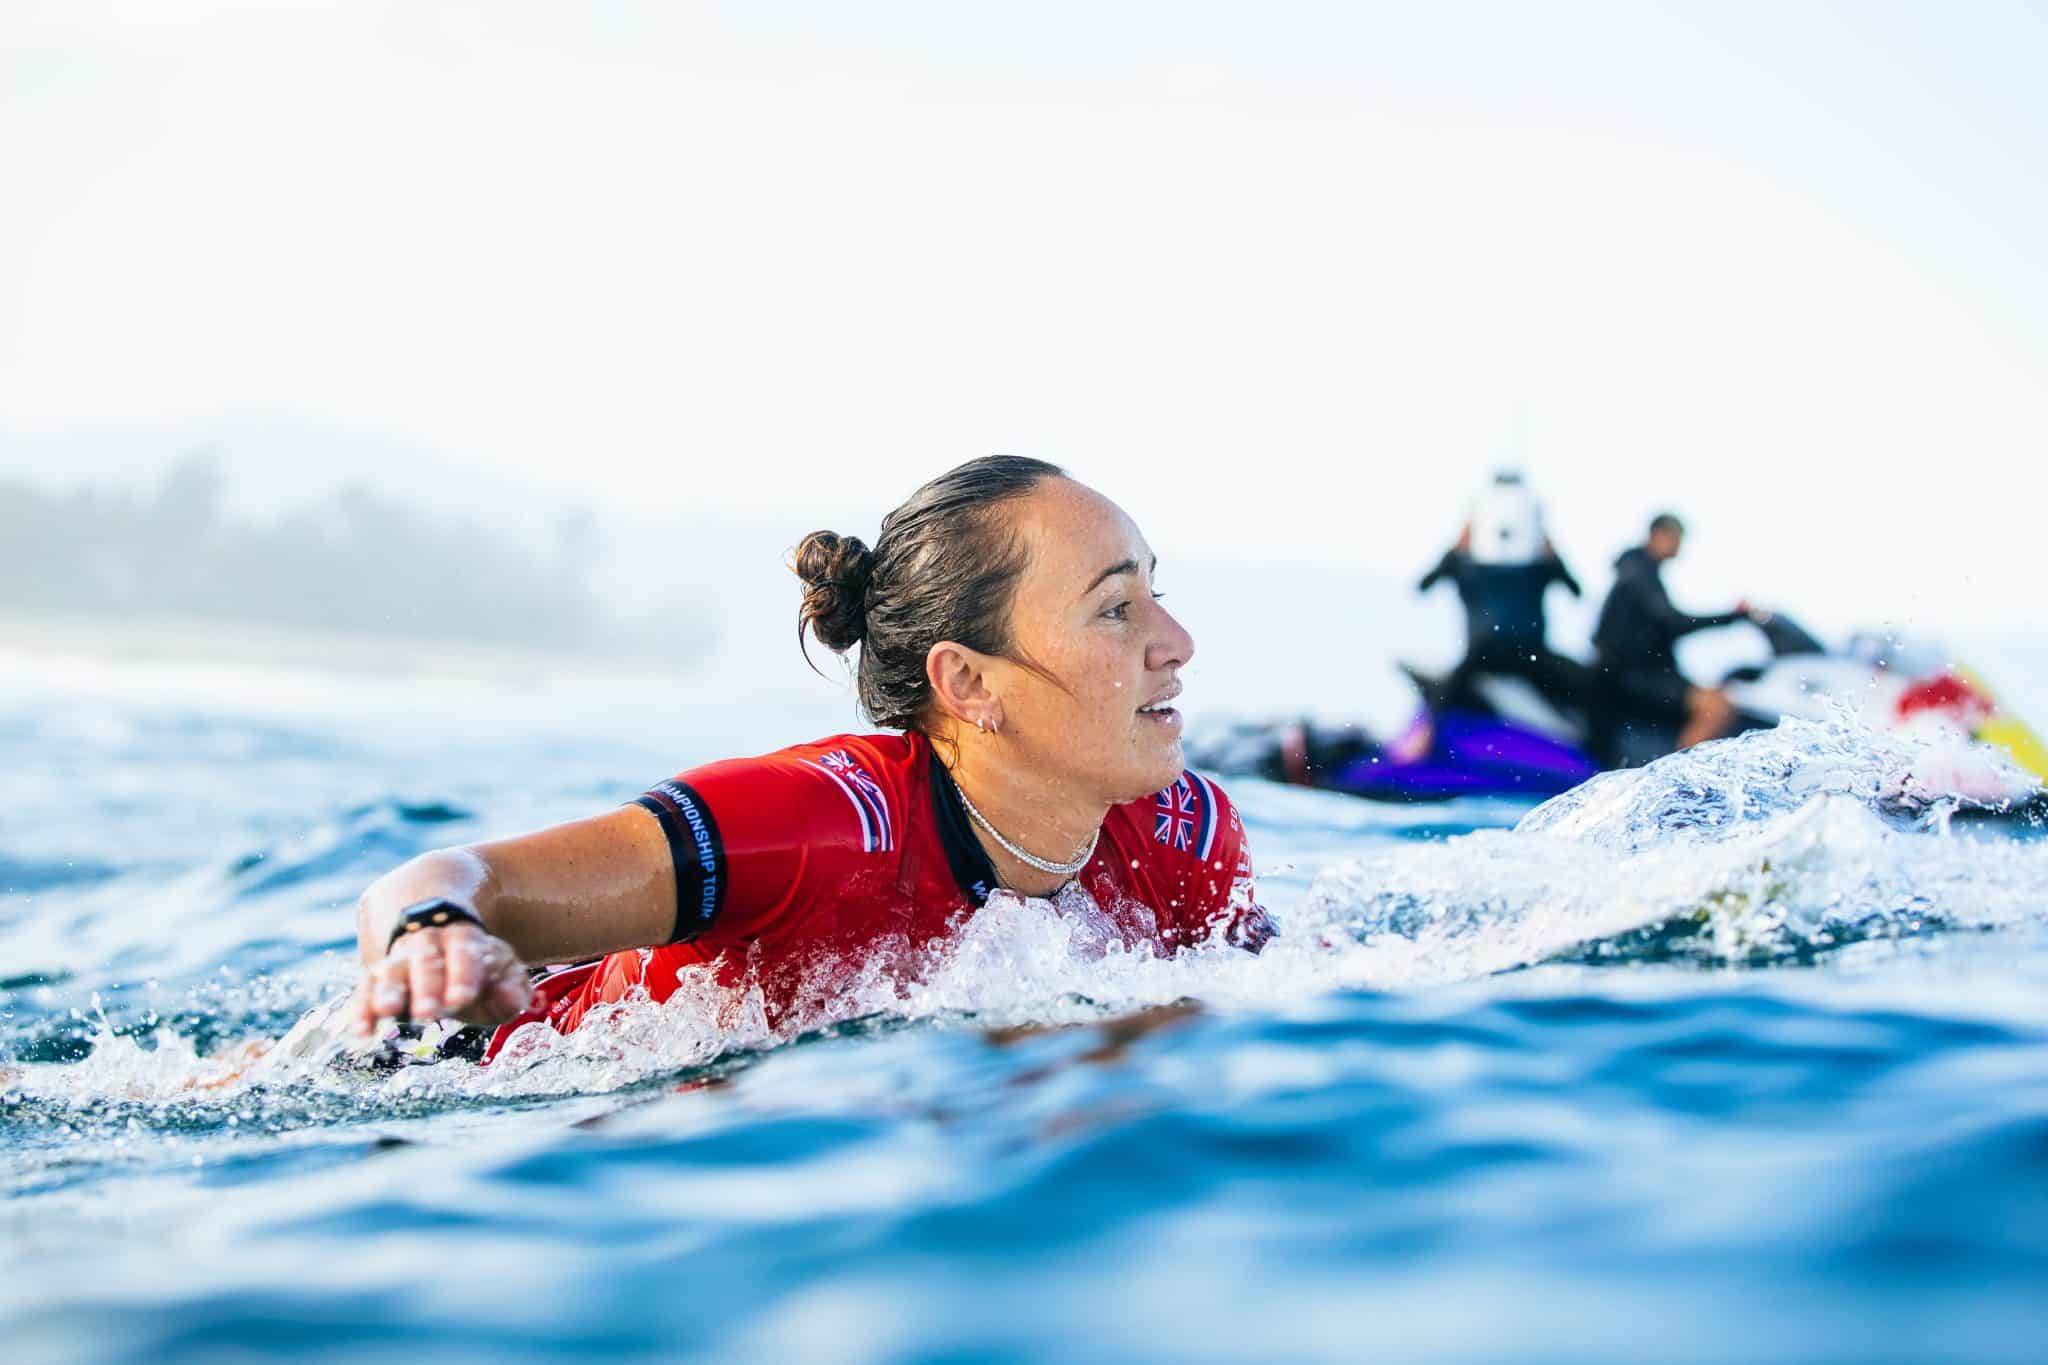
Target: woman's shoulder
{"points": [[1182, 851], [865, 782], [874, 754], [1192, 818]]}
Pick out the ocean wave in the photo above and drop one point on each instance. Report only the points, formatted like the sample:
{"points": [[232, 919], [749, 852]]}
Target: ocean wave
{"points": [[1771, 847]]}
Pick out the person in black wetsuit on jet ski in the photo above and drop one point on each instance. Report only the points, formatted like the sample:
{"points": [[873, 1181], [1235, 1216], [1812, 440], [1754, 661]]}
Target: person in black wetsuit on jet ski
{"points": [[1503, 564], [1643, 697]]}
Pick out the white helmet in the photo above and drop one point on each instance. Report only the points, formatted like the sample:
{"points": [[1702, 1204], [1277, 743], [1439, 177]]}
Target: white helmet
{"points": [[1507, 522]]}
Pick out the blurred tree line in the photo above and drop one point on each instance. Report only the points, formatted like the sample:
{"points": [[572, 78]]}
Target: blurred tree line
{"points": [[355, 562]]}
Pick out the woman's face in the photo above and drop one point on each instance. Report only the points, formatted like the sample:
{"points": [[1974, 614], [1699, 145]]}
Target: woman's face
{"points": [[1087, 613]]}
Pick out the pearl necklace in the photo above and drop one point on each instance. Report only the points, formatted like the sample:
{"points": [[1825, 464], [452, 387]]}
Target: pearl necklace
{"points": [[1029, 859]]}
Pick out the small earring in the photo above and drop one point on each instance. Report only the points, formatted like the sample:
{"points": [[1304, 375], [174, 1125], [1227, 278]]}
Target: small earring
{"points": [[981, 724]]}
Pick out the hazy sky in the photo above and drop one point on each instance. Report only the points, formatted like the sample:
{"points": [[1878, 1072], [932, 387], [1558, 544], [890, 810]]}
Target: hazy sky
{"points": [[1286, 278]]}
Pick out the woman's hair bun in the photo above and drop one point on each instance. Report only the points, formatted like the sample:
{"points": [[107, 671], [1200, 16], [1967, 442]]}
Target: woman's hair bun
{"points": [[835, 570]]}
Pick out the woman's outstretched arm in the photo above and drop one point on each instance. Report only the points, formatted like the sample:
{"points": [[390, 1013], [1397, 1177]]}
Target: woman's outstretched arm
{"points": [[575, 891]]}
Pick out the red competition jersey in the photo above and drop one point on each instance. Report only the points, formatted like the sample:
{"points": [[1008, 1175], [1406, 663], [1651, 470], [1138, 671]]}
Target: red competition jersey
{"points": [[799, 868]]}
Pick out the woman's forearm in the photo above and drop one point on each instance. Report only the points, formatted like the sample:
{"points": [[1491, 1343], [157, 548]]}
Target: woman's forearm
{"points": [[578, 890]]}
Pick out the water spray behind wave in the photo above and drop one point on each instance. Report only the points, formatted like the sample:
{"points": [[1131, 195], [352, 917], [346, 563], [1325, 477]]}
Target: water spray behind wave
{"points": [[1771, 847]]}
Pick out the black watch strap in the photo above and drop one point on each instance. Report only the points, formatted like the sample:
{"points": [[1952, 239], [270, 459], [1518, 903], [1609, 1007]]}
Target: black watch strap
{"points": [[434, 914]]}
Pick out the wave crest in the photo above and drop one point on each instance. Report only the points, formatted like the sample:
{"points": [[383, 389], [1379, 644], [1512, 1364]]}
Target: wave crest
{"points": [[1772, 846]]}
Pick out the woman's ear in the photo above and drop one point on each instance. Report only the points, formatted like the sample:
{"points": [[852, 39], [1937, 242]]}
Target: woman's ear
{"points": [[960, 685]]}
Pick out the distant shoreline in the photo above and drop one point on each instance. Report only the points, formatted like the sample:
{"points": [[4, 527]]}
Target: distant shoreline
{"points": [[218, 641]]}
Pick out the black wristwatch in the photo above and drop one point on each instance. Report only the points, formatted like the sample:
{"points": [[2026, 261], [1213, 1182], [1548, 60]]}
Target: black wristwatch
{"points": [[438, 913]]}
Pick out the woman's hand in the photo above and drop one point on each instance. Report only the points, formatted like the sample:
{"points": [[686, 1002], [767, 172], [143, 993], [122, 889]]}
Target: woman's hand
{"points": [[459, 972]]}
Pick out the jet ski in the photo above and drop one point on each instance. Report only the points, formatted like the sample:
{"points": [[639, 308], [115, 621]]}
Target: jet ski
{"points": [[1505, 741], [1496, 736]]}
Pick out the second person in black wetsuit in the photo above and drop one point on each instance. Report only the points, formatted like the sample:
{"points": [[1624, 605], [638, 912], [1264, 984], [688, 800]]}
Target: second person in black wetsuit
{"points": [[1502, 566], [1641, 687]]}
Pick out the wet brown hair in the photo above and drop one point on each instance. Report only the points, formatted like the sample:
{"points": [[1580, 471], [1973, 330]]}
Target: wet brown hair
{"points": [[945, 568]]}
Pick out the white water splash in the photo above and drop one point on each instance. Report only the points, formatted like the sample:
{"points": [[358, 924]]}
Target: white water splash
{"points": [[1725, 788], [1770, 846]]}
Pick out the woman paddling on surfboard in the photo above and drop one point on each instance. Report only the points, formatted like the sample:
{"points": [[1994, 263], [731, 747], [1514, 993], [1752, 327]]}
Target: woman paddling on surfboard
{"points": [[1011, 641]]}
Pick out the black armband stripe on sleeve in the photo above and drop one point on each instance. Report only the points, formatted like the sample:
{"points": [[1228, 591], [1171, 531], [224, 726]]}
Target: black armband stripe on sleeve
{"points": [[698, 853]]}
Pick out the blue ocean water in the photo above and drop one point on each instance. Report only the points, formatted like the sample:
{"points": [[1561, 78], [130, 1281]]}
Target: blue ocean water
{"points": [[1738, 1058]]}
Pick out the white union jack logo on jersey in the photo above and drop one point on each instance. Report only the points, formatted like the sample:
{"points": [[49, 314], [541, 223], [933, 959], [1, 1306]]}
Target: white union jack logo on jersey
{"points": [[1184, 816], [1175, 824], [870, 802]]}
